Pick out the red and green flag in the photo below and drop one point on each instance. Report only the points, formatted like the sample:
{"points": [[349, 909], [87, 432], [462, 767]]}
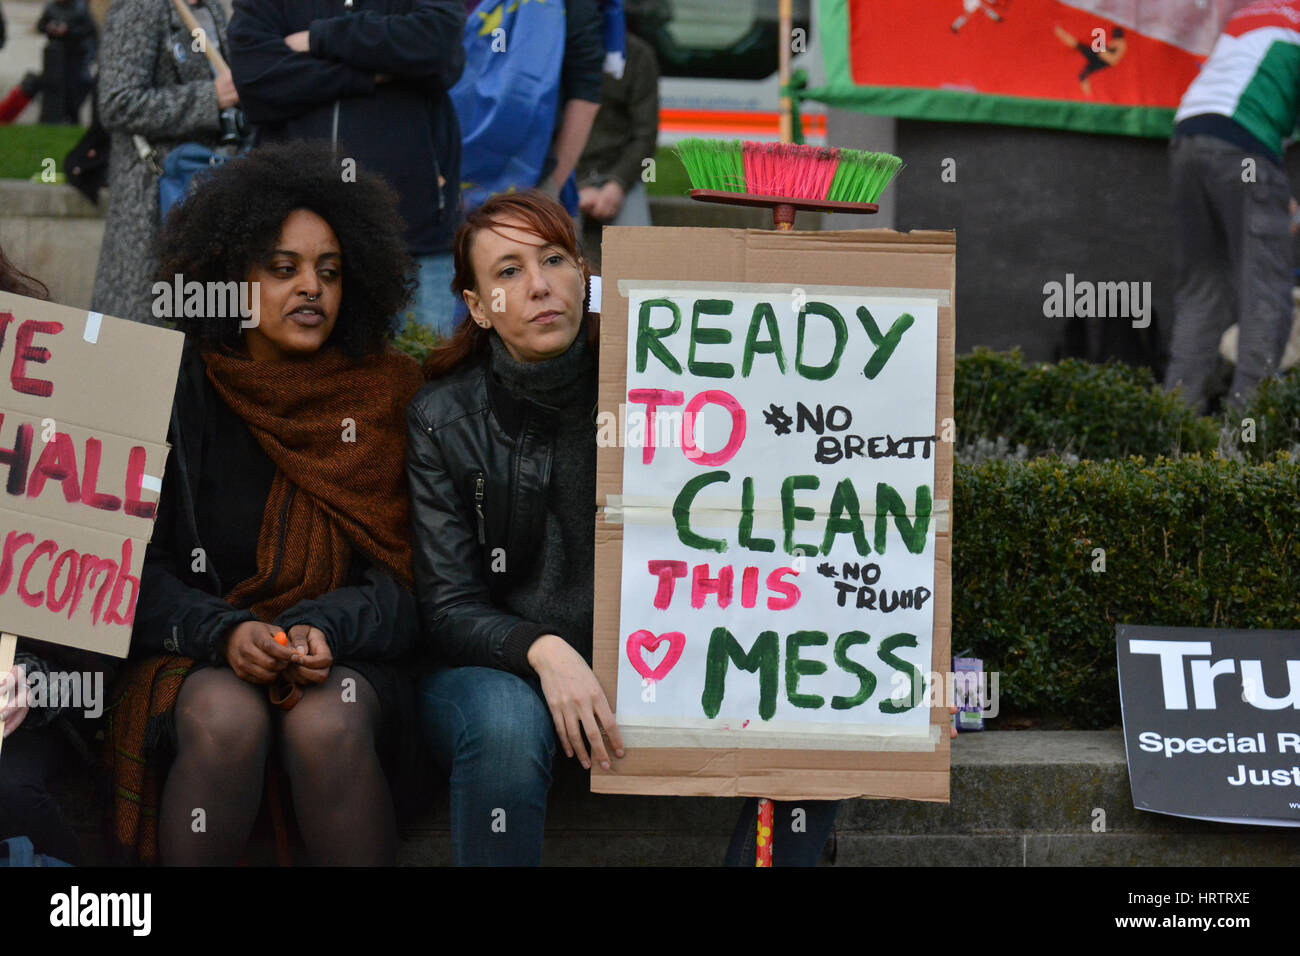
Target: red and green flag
{"points": [[1097, 66]]}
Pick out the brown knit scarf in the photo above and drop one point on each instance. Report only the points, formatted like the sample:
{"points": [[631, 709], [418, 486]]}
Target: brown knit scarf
{"points": [[328, 496], [335, 429]]}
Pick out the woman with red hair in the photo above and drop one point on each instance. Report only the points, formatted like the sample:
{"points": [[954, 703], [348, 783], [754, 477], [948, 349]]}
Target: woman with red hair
{"points": [[501, 460]]}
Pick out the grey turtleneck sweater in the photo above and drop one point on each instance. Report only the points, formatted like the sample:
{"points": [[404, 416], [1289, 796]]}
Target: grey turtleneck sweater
{"points": [[557, 593]]}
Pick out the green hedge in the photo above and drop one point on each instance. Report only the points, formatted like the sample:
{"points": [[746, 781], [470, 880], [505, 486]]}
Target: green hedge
{"points": [[1275, 410], [1191, 542], [1092, 411], [416, 340]]}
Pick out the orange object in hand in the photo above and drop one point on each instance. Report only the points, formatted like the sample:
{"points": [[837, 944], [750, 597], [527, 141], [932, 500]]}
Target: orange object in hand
{"points": [[283, 693]]}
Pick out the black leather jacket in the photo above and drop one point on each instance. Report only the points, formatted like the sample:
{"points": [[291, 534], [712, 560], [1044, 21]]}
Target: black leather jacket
{"points": [[478, 459]]}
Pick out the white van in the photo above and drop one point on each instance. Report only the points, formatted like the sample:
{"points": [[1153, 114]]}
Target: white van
{"points": [[718, 66]]}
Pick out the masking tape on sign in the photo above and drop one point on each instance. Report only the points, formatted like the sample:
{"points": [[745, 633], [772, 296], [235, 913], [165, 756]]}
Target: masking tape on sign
{"points": [[694, 732], [654, 509], [628, 287]]}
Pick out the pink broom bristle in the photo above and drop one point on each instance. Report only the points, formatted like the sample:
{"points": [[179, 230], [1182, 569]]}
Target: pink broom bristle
{"points": [[753, 160], [790, 170]]}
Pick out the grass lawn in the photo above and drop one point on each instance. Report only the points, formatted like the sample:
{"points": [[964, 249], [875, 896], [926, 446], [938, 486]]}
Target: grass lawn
{"points": [[24, 148]]}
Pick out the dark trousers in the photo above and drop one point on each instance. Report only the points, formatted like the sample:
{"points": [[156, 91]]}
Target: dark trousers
{"points": [[1234, 265], [28, 761], [64, 83]]}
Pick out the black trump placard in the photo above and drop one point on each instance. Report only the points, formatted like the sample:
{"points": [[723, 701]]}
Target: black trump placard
{"points": [[1212, 722]]}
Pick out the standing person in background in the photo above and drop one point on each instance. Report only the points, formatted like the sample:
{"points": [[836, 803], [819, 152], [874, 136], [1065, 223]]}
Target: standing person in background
{"points": [[611, 191], [151, 84], [580, 84], [371, 77], [68, 55], [614, 30], [1231, 198], [526, 108]]}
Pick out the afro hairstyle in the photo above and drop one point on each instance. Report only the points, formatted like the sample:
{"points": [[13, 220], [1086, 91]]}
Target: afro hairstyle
{"points": [[232, 217]]}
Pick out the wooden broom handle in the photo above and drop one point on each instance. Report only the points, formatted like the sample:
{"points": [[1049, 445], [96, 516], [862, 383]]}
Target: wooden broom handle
{"points": [[786, 14], [783, 220], [209, 48]]}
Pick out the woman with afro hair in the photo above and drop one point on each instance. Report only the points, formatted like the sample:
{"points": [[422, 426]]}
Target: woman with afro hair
{"points": [[275, 608]]}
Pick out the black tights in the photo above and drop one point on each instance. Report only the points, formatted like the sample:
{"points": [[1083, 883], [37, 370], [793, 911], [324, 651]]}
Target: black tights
{"points": [[327, 746]]}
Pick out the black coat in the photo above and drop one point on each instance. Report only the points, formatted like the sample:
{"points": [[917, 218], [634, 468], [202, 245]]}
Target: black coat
{"points": [[182, 611], [404, 129], [478, 460]]}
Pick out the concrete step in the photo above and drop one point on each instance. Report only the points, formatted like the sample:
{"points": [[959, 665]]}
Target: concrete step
{"points": [[51, 231], [1029, 798]]}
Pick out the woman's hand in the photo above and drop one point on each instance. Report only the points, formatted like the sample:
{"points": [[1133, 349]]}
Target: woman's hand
{"points": [[15, 708], [254, 655], [575, 699], [312, 656], [227, 95], [299, 42]]}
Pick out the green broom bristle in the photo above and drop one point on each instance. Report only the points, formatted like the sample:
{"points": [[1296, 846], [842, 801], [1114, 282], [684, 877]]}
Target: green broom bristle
{"points": [[862, 176], [713, 163]]}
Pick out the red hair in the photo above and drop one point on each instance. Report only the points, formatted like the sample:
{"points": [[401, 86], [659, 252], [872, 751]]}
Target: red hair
{"points": [[544, 218]]}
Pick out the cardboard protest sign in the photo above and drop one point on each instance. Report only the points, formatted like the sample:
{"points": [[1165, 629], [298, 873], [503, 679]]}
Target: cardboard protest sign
{"points": [[83, 419], [1210, 722], [773, 537]]}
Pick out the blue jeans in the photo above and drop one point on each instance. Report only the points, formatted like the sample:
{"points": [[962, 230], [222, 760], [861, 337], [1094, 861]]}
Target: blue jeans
{"points": [[434, 306], [492, 731]]}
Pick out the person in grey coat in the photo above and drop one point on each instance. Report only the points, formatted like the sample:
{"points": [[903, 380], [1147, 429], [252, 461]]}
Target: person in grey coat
{"points": [[154, 81]]}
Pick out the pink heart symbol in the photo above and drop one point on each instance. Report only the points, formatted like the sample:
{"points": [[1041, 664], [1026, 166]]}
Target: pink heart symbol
{"points": [[640, 641]]}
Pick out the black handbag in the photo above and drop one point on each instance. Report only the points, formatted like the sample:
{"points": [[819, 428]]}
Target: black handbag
{"points": [[86, 165]]}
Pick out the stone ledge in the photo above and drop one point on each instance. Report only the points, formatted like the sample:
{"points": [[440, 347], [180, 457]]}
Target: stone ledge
{"points": [[1019, 799], [20, 198]]}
